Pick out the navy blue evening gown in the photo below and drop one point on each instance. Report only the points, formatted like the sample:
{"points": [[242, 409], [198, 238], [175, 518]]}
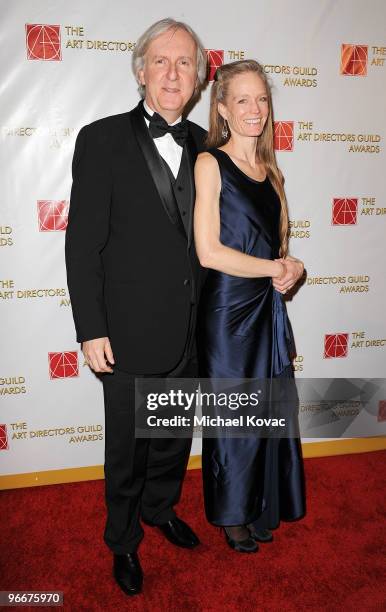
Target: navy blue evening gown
{"points": [[244, 332]]}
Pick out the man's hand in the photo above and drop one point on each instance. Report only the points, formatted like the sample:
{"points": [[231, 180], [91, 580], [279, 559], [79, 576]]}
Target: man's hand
{"points": [[97, 352], [294, 271]]}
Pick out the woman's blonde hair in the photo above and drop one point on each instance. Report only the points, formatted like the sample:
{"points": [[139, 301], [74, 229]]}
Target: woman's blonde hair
{"points": [[265, 147]]}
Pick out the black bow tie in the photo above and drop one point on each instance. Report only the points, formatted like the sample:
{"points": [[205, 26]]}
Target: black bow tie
{"points": [[159, 127]]}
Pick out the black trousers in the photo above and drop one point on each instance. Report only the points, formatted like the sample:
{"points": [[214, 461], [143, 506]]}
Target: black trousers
{"points": [[143, 477]]}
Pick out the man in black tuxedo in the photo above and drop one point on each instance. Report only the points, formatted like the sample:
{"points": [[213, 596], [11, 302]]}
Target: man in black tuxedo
{"points": [[134, 277]]}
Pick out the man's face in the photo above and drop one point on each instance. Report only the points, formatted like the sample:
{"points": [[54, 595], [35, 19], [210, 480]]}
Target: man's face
{"points": [[170, 73]]}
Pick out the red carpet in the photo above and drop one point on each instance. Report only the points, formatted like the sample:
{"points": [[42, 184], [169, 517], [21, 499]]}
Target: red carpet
{"points": [[334, 559]]}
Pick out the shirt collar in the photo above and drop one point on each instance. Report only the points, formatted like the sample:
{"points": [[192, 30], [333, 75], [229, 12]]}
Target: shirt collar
{"points": [[151, 112]]}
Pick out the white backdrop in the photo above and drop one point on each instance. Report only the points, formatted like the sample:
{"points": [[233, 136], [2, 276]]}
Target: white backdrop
{"points": [[67, 63]]}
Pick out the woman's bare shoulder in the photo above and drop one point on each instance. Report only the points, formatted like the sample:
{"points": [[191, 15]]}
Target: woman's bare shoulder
{"points": [[207, 161]]}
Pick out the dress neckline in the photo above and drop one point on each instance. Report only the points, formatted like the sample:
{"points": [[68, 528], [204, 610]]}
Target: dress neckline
{"points": [[241, 172]]}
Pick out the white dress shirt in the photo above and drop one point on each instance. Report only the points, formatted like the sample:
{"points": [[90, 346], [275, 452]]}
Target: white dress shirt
{"points": [[167, 147]]}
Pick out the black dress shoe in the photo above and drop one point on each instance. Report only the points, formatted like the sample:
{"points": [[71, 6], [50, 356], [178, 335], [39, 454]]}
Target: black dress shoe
{"points": [[260, 535], [249, 545], [128, 573], [179, 533]]}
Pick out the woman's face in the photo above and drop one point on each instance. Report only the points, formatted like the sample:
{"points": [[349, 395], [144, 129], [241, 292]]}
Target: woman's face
{"points": [[246, 106]]}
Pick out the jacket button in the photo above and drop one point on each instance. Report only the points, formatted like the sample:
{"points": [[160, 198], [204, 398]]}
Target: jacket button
{"points": [[186, 282], [183, 213], [180, 188]]}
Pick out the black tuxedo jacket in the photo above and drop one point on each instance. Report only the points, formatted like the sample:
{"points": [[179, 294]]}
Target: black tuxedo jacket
{"points": [[132, 271]]}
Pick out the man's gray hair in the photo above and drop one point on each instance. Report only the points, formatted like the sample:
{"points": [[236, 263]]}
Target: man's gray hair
{"points": [[158, 28]]}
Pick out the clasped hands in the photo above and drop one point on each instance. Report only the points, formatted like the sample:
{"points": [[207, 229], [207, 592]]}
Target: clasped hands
{"points": [[292, 271]]}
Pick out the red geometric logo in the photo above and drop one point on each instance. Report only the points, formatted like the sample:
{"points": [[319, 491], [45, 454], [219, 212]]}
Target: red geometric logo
{"points": [[63, 365], [284, 135], [3, 438], [43, 42], [52, 215], [382, 410], [344, 211], [215, 60], [335, 345], [353, 60]]}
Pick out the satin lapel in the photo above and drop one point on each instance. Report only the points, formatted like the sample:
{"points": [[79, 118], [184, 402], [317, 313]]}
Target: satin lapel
{"points": [[191, 150], [156, 167]]}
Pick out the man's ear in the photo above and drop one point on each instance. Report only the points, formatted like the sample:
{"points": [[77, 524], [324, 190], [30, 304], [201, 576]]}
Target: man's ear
{"points": [[141, 77]]}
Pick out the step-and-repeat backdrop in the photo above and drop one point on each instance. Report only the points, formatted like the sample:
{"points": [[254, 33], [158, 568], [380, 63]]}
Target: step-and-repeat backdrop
{"points": [[65, 64]]}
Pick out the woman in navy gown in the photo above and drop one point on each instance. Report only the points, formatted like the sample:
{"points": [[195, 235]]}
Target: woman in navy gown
{"points": [[241, 234]]}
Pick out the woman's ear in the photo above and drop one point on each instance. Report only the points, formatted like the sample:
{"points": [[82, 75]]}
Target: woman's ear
{"points": [[222, 110]]}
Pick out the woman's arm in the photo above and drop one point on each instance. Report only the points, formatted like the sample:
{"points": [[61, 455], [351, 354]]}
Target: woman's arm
{"points": [[210, 251]]}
